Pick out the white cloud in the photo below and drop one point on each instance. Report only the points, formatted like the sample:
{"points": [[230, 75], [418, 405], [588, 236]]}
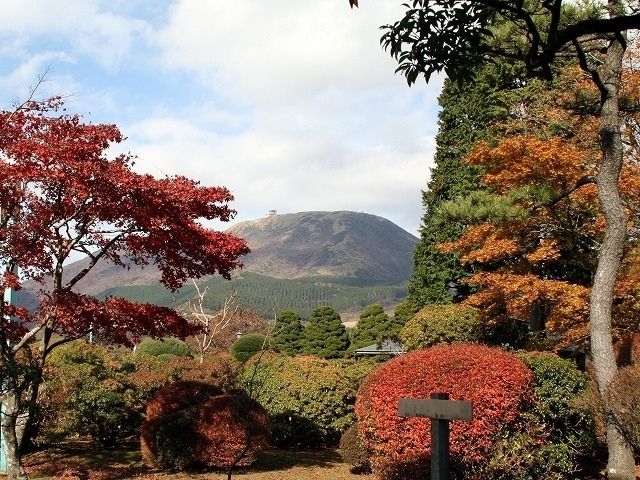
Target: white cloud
{"points": [[292, 105], [91, 31]]}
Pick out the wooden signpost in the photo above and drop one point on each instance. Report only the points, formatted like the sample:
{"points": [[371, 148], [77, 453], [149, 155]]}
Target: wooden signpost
{"points": [[440, 410]]}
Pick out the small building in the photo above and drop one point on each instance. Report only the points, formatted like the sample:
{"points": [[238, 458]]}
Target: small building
{"points": [[387, 347]]}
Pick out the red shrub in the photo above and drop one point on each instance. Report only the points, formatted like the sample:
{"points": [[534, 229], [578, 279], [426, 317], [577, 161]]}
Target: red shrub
{"points": [[496, 382], [192, 424], [178, 396]]}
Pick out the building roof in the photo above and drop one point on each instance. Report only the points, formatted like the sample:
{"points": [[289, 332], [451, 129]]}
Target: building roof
{"points": [[388, 347]]}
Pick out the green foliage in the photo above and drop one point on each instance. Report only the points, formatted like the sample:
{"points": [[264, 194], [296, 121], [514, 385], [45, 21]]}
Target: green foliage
{"points": [[88, 390], [467, 112], [247, 346], [166, 346], [404, 311], [555, 439], [442, 324], [309, 400], [324, 335], [373, 326], [266, 295], [107, 410], [287, 332]]}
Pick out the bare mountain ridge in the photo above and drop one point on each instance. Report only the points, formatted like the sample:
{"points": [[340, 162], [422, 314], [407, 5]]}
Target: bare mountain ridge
{"points": [[336, 244]]}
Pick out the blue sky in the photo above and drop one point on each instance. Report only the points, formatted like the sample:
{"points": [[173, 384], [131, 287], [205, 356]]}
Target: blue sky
{"points": [[292, 105]]}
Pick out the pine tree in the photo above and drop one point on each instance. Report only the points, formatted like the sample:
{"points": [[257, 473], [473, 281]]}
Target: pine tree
{"points": [[373, 326], [287, 332], [324, 335]]}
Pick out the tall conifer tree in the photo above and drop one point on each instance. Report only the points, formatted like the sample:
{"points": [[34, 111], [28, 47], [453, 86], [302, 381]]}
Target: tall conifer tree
{"points": [[324, 335]]}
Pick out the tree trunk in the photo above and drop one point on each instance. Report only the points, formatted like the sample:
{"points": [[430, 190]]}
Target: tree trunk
{"points": [[12, 430], [621, 464]]}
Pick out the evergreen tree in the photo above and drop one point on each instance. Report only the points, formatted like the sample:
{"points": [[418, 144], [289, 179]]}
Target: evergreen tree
{"points": [[324, 335], [287, 332], [471, 112], [373, 326], [462, 121]]}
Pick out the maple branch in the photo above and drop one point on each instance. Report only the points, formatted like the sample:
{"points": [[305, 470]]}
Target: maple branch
{"points": [[94, 259], [64, 340], [27, 337]]}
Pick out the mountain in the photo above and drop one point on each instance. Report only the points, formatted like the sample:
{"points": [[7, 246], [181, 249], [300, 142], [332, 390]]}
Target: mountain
{"points": [[298, 261], [363, 247]]}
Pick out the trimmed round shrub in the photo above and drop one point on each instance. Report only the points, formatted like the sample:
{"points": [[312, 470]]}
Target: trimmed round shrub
{"points": [[442, 324], [164, 347], [193, 424], [247, 346], [353, 451], [497, 383], [623, 399], [310, 400]]}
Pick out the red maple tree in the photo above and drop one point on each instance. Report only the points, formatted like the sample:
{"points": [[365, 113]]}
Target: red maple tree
{"points": [[62, 195]]}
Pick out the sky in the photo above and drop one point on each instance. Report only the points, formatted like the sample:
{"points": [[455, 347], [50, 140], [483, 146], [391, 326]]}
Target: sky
{"points": [[292, 105]]}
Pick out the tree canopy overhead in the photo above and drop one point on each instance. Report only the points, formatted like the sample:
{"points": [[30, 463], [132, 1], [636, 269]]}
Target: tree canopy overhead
{"points": [[456, 36]]}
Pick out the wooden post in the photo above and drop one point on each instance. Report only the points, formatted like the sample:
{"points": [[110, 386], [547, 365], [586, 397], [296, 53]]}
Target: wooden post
{"points": [[440, 444], [440, 410]]}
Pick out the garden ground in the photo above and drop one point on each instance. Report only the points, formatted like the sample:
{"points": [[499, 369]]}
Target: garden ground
{"points": [[81, 462]]}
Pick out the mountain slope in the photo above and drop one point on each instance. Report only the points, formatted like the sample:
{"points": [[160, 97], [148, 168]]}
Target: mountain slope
{"points": [[353, 245], [326, 253]]}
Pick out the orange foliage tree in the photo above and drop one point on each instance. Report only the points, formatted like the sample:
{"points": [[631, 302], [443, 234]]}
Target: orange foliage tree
{"points": [[532, 237]]}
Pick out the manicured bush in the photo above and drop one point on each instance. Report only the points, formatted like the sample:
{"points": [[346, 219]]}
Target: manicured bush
{"points": [[107, 410], [287, 332], [353, 451], [554, 440], [87, 390], [497, 383], [310, 401], [324, 335], [623, 399], [247, 346], [166, 346], [193, 424], [442, 324]]}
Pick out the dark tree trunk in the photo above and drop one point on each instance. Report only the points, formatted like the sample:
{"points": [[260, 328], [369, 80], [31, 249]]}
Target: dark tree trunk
{"points": [[621, 464]]}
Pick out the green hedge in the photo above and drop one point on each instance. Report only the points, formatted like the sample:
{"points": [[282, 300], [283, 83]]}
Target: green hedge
{"points": [[164, 347], [556, 439], [310, 400], [442, 324]]}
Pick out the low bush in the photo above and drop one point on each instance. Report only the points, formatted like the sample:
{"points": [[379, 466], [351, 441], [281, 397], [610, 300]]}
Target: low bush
{"points": [[193, 424], [87, 390], [247, 346], [310, 401], [442, 324], [623, 400], [353, 451], [554, 439], [497, 383], [165, 347]]}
